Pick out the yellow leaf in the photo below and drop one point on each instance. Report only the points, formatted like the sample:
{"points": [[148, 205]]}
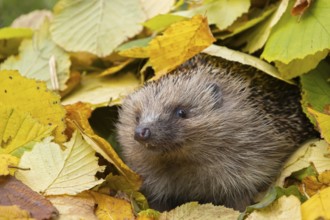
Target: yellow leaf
{"points": [[317, 207], [148, 214], [14, 212], [7, 160], [136, 52], [80, 206], [33, 97], [283, 208], [78, 115], [19, 128], [181, 41], [323, 123], [112, 208], [53, 171]]}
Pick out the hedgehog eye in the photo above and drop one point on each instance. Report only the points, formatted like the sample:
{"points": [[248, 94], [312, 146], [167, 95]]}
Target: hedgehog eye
{"points": [[137, 118], [181, 113]]}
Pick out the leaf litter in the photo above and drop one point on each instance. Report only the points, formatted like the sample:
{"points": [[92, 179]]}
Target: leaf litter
{"points": [[42, 140]]}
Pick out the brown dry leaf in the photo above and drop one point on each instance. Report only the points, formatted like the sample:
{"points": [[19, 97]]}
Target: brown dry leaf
{"points": [[14, 212], [80, 206], [72, 83], [14, 192], [300, 7], [77, 117], [317, 207], [312, 185], [6, 162], [112, 208]]}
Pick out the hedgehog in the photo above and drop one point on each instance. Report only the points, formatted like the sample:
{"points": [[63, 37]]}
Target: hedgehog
{"points": [[212, 131]]}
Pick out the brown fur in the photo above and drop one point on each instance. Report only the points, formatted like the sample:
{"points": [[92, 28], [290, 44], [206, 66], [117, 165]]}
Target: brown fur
{"points": [[240, 126]]}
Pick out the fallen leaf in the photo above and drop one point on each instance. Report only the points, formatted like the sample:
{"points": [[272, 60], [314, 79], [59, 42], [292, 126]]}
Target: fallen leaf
{"points": [[257, 37], [283, 208], [317, 207], [313, 152], [103, 91], [10, 32], [115, 68], [78, 115], [112, 208], [241, 24], [162, 21], [34, 56], [323, 123], [148, 214], [218, 12], [243, 58], [300, 6], [11, 38], [14, 212], [53, 171], [107, 24], [120, 183], [193, 210], [291, 40], [18, 129], [80, 206], [33, 97], [179, 42], [14, 192], [33, 19], [7, 161], [156, 7], [298, 67], [311, 185]]}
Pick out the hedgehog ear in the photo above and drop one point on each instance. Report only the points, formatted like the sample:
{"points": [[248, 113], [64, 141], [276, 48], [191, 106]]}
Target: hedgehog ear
{"points": [[216, 94]]}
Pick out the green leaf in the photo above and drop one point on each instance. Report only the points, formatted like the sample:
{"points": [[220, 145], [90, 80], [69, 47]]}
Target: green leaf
{"points": [[34, 56], [316, 89], [255, 17], [53, 171], [257, 36], [218, 12], [106, 24], [295, 39], [301, 174], [298, 67], [162, 21], [291, 190]]}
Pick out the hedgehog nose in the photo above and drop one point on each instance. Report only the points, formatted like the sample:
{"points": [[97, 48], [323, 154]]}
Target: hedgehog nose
{"points": [[142, 133]]}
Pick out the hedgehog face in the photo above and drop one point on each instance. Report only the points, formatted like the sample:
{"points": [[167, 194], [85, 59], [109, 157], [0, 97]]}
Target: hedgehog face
{"points": [[163, 116]]}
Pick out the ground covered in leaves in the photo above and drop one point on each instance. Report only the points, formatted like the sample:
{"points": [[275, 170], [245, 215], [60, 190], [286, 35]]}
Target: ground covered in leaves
{"points": [[64, 72]]}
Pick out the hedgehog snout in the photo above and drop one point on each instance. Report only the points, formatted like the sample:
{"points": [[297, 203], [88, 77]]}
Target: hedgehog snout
{"points": [[142, 133]]}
